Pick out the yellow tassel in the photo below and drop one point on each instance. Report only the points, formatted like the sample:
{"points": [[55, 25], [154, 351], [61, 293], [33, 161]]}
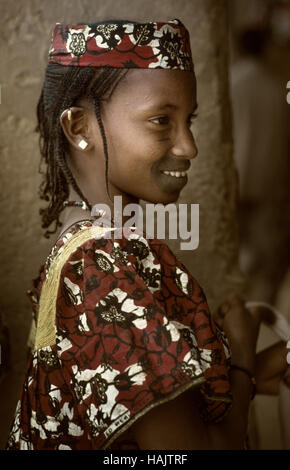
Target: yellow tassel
{"points": [[45, 331]]}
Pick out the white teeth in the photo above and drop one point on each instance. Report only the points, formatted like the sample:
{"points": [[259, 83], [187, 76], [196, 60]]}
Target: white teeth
{"points": [[177, 174]]}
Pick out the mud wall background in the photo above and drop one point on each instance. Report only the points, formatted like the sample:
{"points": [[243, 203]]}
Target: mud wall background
{"points": [[25, 29]]}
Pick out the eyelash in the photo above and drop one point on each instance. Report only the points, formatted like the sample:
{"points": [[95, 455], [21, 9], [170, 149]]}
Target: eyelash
{"points": [[191, 117]]}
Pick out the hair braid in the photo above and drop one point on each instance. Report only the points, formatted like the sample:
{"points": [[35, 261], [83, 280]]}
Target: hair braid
{"points": [[104, 138], [109, 83], [62, 87]]}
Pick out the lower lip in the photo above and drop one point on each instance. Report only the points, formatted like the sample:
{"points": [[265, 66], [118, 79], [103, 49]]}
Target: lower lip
{"points": [[173, 182]]}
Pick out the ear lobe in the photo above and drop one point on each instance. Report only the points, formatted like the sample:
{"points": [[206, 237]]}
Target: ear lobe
{"points": [[83, 144]]}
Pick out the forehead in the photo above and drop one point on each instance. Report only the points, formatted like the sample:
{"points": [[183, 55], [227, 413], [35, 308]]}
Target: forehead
{"points": [[153, 86]]}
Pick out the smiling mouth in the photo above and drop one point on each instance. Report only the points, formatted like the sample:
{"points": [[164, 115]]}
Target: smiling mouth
{"points": [[176, 174]]}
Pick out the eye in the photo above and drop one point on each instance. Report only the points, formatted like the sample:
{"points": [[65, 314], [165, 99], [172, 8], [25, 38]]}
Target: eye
{"points": [[165, 120], [161, 120]]}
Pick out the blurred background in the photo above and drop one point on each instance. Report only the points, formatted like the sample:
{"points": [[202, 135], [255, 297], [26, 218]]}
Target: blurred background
{"points": [[259, 32], [241, 50], [259, 71]]}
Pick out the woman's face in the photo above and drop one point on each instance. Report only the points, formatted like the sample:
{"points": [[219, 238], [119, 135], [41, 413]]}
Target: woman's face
{"points": [[147, 124]]}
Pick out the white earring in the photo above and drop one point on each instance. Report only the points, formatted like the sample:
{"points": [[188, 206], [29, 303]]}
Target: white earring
{"points": [[83, 144]]}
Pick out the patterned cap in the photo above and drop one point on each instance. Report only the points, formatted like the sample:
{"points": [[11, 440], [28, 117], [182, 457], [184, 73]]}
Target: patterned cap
{"points": [[122, 44]]}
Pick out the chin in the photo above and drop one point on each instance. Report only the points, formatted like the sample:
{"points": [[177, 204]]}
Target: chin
{"points": [[164, 199]]}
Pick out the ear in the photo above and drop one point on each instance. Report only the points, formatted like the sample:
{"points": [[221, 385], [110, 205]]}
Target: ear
{"points": [[75, 125]]}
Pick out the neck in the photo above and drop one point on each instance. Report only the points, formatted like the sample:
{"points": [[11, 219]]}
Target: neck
{"points": [[76, 214]]}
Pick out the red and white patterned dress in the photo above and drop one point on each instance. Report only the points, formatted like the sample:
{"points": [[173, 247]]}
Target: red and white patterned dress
{"points": [[132, 330]]}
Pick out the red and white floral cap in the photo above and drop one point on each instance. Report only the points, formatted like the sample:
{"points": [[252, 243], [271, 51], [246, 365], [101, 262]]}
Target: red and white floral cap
{"points": [[122, 44]]}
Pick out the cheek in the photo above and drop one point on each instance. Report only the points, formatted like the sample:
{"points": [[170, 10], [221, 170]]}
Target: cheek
{"points": [[133, 151]]}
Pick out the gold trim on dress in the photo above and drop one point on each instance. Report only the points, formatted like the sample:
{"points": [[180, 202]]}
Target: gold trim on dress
{"points": [[45, 331]]}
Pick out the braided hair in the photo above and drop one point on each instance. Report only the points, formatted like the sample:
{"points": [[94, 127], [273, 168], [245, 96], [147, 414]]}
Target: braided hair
{"points": [[62, 87]]}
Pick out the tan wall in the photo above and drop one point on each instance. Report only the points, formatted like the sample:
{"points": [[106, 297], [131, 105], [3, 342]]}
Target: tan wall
{"points": [[25, 29]]}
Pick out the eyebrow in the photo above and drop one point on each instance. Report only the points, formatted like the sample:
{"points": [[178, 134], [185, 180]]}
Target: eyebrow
{"points": [[168, 106]]}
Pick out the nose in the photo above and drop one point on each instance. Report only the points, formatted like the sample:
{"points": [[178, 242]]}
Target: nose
{"points": [[184, 144]]}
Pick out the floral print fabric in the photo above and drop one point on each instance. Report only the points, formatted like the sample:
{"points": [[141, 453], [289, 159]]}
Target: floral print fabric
{"points": [[133, 330], [122, 44]]}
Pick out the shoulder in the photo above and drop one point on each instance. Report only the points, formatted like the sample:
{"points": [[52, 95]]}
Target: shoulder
{"points": [[98, 252], [108, 246], [105, 254]]}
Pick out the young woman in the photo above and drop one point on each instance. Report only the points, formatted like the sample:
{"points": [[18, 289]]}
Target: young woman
{"points": [[125, 347]]}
